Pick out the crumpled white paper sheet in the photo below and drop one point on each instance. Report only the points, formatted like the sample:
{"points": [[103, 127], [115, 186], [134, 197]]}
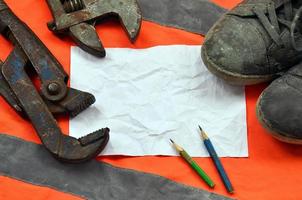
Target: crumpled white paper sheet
{"points": [[147, 96]]}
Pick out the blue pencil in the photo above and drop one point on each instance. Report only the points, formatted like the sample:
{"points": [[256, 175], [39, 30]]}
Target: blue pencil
{"points": [[217, 162]]}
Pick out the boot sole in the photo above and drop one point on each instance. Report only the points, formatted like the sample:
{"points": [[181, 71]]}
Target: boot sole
{"points": [[233, 78], [275, 133]]}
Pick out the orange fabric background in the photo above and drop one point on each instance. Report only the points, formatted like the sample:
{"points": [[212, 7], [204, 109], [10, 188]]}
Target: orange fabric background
{"points": [[272, 171]]}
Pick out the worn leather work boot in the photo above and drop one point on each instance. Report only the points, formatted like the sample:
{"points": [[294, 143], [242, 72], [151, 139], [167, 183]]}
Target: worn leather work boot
{"points": [[279, 107], [254, 42]]}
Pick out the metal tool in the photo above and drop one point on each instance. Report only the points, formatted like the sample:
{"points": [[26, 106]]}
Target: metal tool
{"points": [[78, 17], [17, 88]]}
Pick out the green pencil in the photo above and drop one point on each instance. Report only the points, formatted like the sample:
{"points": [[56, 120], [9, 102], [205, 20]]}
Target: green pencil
{"points": [[193, 164]]}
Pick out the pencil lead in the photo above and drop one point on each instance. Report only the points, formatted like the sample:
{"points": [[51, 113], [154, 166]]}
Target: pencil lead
{"points": [[203, 134], [177, 147], [200, 128]]}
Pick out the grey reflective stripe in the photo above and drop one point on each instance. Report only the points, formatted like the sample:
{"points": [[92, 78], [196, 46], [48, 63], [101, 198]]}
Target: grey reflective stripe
{"points": [[93, 180], [196, 16]]}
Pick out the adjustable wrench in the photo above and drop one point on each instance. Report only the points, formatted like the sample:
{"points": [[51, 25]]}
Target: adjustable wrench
{"points": [[78, 17]]}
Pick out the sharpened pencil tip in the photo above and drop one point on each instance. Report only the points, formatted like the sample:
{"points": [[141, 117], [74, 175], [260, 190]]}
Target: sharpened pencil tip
{"points": [[203, 134], [177, 147]]}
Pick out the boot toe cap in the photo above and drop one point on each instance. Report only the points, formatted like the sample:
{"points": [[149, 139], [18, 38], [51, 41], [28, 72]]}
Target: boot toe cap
{"points": [[279, 109], [234, 45]]}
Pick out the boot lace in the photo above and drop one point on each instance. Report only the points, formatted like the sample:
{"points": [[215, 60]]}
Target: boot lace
{"points": [[291, 19]]}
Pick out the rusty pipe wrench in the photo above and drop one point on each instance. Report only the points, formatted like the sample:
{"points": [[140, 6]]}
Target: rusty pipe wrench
{"points": [[54, 95], [78, 17], [72, 104]]}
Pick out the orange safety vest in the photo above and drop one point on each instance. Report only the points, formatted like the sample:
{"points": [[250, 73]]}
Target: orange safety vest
{"points": [[273, 170]]}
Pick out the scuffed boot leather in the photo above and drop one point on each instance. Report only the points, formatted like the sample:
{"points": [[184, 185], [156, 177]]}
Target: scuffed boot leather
{"points": [[254, 42], [279, 108]]}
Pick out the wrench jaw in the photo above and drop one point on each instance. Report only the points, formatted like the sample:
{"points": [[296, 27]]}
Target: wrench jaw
{"points": [[74, 150], [72, 104], [131, 20], [85, 36], [131, 29]]}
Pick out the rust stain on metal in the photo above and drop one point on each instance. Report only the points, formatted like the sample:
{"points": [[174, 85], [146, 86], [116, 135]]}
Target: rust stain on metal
{"points": [[54, 97], [68, 14]]}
